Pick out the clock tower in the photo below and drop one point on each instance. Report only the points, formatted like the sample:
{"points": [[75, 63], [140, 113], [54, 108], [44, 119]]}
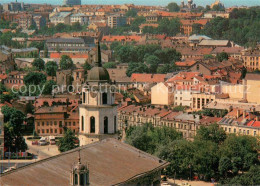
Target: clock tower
{"points": [[98, 113]]}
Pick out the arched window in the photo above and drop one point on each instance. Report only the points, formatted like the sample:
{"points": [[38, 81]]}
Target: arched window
{"points": [[82, 123], [84, 97], [76, 179], [92, 124], [114, 124], [104, 98], [105, 125]]}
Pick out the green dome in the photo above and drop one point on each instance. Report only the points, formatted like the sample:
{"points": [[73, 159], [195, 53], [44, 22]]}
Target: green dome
{"points": [[98, 74]]}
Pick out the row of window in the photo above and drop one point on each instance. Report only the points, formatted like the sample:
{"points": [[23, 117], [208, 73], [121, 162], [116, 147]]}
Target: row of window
{"points": [[240, 131], [13, 81], [55, 123], [51, 131]]}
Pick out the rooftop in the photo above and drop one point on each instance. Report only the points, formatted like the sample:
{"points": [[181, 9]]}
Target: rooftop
{"points": [[110, 162]]}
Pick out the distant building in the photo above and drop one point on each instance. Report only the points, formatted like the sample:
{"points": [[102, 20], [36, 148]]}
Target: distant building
{"points": [[1, 135], [187, 7], [13, 6], [251, 58], [71, 2], [115, 21], [73, 44], [60, 17], [80, 18]]}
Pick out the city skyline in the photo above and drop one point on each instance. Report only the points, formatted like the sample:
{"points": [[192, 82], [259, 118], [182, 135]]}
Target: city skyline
{"points": [[227, 3]]}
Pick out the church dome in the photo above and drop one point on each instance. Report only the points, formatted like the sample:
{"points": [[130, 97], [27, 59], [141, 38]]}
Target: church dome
{"points": [[98, 73]]}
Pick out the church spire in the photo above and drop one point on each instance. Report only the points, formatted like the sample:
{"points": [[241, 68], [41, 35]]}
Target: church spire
{"points": [[98, 56]]}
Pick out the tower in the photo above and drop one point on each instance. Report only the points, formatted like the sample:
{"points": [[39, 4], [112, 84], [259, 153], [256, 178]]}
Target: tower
{"points": [[79, 175], [98, 113]]}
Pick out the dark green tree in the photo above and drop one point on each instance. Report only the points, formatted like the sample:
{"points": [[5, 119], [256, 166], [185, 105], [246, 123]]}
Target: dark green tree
{"points": [[51, 68], [136, 68], [48, 87], [66, 62], [34, 78], [110, 65], [152, 61], [131, 13], [222, 56], [38, 63], [173, 7], [68, 141]]}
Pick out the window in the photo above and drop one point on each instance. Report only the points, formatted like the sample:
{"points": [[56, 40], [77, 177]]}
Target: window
{"points": [[92, 124], [42, 123], [104, 98], [235, 130], [51, 130], [38, 123], [229, 130], [43, 131], [84, 97], [55, 130], [55, 122], [47, 130], [115, 124], [82, 123], [105, 125], [247, 132], [198, 67], [254, 133], [74, 123]]}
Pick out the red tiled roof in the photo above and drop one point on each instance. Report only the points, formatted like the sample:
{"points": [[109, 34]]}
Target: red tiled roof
{"points": [[254, 124], [71, 55], [191, 22], [148, 78], [185, 63], [3, 76], [185, 76], [121, 38]]}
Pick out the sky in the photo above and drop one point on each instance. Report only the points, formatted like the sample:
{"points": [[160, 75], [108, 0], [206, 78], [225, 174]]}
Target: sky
{"points": [[227, 3]]}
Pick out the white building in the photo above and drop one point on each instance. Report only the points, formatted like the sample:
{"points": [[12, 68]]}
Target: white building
{"points": [[60, 17], [82, 19], [98, 113]]}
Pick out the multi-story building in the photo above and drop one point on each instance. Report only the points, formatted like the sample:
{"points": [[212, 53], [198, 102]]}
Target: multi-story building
{"points": [[51, 120], [60, 17], [186, 25], [1, 135], [187, 124], [14, 80], [199, 100], [115, 21], [71, 2], [80, 18], [26, 21], [72, 44], [39, 21], [251, 59], [13, 6]]}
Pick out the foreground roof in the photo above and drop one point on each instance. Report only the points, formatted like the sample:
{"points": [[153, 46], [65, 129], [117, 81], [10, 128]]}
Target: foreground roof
{"points": [[110, 162]]}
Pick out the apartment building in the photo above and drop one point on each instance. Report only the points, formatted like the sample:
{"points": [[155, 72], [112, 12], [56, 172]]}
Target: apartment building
{"points": [[115, 21], [60, 17], [51, 120], [1, 135], [251, 59], [80, 18], [73, 44]]}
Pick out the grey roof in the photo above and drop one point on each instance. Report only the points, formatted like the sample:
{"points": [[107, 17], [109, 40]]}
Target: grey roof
{"points": [[198, 37], [61, 15], [188, 117], [76, 40], [110, 162]]}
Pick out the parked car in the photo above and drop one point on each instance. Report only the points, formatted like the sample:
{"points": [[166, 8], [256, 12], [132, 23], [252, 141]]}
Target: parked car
{"points": [[34, 142], [42, 141], [52, 140]]}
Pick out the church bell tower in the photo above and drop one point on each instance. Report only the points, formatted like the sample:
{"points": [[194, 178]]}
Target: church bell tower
{"points": [[98, 113]]}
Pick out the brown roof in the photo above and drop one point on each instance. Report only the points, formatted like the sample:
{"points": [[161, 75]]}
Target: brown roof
{"points": [[251, 76], [110, 162]]}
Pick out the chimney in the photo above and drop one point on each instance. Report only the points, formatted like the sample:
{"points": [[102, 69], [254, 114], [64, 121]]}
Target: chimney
{"points": [[244, 114], [238, 113]]}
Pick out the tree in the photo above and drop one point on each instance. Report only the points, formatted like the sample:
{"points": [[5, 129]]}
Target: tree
{"points": [[114, 45], [136, 68], [87, 66], [34, 78], [173, 7], [38, 63], [131, 13], [12, 129], [196, 28], [222, 56], [51, 68], [153, 62], [38, 45], [66, 62], [45, 52], [104, 47], [68, 141], [48, 87], [169, 27], [110, 65], [212, 133]]}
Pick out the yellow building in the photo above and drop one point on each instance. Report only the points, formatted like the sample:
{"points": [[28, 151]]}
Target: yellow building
{"points": [[251, 59], [162, 94]]}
